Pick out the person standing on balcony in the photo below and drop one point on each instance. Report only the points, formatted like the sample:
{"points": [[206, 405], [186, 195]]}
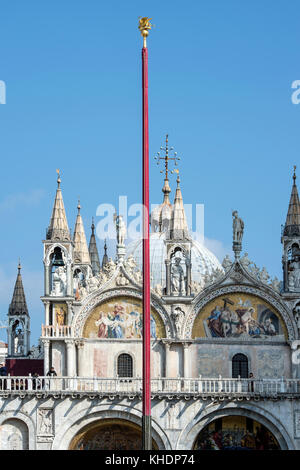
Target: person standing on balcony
{"points": [[251, 384], [49, 384], [3, 370], [51, 372], [36, 382], [3, 373]]}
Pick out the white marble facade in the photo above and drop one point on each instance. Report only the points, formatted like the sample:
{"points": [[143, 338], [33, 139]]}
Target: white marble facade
{"points": [[50, 419], [211, 326]]}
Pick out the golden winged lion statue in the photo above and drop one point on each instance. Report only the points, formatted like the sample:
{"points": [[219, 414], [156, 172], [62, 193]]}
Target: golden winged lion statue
{"points": [[144, 26]]}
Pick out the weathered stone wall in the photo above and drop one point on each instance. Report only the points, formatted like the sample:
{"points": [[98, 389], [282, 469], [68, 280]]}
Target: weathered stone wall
{"points": [[265, 361], [52, 423]]}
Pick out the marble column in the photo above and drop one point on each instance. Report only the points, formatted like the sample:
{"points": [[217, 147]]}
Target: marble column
{"points": [[69, 314], [9, 341], [47, 279], [69, 280], [186, 360], [47, 306], [285, 273], [46, 344], [168, 277], [188, 275], [81, 372], [167, 360], [71, 366], [26, 346]]}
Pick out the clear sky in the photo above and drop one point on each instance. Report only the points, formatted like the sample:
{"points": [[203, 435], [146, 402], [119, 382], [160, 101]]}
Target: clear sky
{"points": [[220, 76]]}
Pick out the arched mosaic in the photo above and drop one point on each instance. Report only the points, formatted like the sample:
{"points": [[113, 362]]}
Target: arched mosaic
{"points": [[239, 315], [121, 317], [109, 434], [235, 433]]}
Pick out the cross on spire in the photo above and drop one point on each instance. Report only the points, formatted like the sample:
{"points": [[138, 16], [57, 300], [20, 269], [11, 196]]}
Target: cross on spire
{"points": [[167, 157]]}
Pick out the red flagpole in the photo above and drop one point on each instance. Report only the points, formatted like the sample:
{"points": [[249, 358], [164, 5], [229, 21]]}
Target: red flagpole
{"points": [[147, 434]]}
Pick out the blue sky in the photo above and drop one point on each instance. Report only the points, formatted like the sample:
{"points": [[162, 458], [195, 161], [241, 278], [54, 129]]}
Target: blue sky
{"points": [[220, 76]]}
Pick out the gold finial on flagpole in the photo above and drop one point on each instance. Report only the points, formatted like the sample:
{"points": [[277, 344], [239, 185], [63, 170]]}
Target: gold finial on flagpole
{"points": [[144, 27]]}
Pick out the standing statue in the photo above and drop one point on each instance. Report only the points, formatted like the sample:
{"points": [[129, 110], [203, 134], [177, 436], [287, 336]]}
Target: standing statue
{"points": [[177, 278], [59, 280], [275, 283], [245, 261], [92, 284], [238, 228], [291, 281], [60, 316], [295, 265], [297, 316], [264, 276], [19, 342], [121, 229], [178, 317], [226, 263]]}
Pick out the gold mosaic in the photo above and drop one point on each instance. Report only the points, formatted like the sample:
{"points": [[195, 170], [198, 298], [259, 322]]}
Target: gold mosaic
{"points": [[121, 317], [239, 315]]}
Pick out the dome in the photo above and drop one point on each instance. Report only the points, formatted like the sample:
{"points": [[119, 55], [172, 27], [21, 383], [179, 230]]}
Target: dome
{"points": [[203, 260]]}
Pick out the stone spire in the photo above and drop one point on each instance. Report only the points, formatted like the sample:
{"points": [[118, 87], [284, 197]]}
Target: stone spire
{"points": [[105, 257], [93, 251], [179, 228], [292, 224], [81, 252], [18, 305], [58, 228]]}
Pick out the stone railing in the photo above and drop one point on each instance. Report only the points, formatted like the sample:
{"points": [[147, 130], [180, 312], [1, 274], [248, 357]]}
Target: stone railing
{"points": [[50, 331], [159, 387]]}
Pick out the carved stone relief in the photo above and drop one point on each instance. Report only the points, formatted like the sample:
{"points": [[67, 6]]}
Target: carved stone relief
{"points": [[45, 422]]}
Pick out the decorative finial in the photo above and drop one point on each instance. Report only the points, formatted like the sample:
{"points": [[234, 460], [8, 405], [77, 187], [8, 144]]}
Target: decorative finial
{"points": [[58, 177], [93, 226], [166, 158], [178, 179], [144, 27], [294, 175], [19, 266], [78, 205], [105, 246]]}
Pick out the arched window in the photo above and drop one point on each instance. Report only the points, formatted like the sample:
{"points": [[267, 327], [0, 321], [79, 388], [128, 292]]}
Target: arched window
{"points": [[125, 366], [240, 366]]}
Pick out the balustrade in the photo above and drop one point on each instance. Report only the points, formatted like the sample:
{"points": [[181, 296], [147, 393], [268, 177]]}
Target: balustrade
{"points": [[160, 386], [51, 331]]}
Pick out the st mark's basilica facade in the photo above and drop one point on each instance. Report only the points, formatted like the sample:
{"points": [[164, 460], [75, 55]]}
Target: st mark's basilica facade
{"points": [[212, 326]]}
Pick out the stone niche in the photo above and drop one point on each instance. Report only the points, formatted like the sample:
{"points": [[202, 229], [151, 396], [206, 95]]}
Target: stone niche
{"points": [[14, 435]]}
